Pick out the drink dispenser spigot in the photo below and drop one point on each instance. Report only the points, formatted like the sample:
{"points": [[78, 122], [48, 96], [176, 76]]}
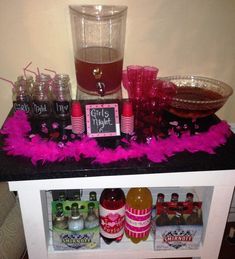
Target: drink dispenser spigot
{"points": [[98, 33]]}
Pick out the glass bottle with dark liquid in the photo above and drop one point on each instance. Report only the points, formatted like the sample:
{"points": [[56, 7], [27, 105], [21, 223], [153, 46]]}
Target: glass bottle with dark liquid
{"points": [[189, 197], [163, 219], [178, 219], [160, 197], [60, 221], [92, 196], [195, 218], [174, 197], [112, 215]]}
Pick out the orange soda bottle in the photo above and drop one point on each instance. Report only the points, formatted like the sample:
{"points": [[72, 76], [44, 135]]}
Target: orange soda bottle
{"points": [[138, 214]]}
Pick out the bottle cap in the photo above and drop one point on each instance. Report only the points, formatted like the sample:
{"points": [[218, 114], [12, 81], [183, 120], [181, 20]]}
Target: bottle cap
{"points": [[174, 197], [127, 109], [76, 110]]}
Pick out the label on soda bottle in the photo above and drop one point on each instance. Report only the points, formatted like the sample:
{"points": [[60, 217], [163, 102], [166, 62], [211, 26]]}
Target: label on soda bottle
{"points": [[112, 222], [137, 222]]}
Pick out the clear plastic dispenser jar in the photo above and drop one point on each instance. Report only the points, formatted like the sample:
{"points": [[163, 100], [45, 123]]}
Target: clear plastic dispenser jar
{"points": [[98, 33]]}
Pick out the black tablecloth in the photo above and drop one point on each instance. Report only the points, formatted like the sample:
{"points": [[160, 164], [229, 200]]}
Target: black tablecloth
{"points": [[19, 168]]}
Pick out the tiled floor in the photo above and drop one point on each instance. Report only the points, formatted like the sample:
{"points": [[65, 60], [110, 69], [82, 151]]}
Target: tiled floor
{"points": [[227, 250]]}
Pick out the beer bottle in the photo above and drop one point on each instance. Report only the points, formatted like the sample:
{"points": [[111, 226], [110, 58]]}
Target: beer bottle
{"points": [[160, 197], [77, 196], [174, 197], [62, 196], [91, 220], [178, 219], [189, 197], [163, 219], [196, 216], [76, 221], [92, 196], [60, 221]]}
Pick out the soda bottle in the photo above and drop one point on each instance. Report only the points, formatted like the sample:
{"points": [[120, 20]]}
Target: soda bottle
{"points": [[138, 214], [112, 214]]}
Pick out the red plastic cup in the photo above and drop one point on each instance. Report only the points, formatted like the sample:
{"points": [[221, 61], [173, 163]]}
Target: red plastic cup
{"points": [[76, 110], [77, 118], [127, 109]]}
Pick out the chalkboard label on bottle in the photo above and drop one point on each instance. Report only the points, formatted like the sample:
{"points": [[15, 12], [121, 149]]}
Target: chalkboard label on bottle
{"points": [[23, 106], [102, 120], [41, 108], [62, 108]]}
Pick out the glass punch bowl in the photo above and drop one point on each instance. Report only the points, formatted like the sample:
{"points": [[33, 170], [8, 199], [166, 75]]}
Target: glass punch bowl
{"points": [[197, 96]]}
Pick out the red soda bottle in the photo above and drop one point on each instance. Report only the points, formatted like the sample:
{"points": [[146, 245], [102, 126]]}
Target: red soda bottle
{"points": [[112, 215]]}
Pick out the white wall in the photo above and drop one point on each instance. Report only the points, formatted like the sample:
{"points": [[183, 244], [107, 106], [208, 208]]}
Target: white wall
{"points": [[177, 36]]}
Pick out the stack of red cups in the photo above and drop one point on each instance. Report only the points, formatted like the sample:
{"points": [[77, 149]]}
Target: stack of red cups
{"points": [[77, 118], [127, 118]]}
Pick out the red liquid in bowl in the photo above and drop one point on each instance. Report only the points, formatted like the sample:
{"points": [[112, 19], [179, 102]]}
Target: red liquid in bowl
{"points": [[198, 102]]}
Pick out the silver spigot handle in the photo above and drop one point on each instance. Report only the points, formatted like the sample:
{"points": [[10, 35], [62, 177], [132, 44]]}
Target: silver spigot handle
{"points": [[100, 88]]}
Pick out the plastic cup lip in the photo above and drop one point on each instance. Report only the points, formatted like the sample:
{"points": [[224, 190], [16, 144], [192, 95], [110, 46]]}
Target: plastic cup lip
{"points": [[76, 109], [99, 12], [127, 118], [78, 118], [127, 109]]}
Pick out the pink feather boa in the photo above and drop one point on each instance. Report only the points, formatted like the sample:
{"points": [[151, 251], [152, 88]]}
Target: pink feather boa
{"points": [[18, 143]]}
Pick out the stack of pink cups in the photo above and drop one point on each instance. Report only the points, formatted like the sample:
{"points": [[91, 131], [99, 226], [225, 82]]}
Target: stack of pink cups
{"points": [[127, 118], [139, 80], [77, 118]]}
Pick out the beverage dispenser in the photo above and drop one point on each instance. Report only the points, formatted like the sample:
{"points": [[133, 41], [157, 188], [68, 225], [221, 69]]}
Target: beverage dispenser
{"points": [[98, 33]]}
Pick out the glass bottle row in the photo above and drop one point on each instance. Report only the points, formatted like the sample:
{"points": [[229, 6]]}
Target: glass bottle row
{"points": [[43, 96]]}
